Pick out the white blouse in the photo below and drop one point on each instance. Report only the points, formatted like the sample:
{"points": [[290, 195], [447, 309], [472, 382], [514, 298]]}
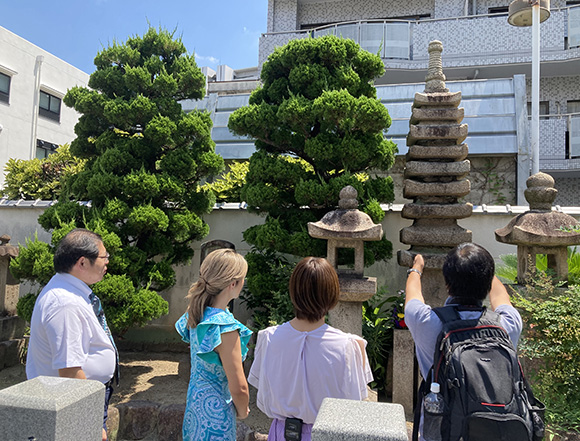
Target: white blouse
{"points": [[294, 371]]}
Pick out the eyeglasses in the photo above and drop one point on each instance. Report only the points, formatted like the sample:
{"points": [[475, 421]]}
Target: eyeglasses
{"points": [[106, 256]]}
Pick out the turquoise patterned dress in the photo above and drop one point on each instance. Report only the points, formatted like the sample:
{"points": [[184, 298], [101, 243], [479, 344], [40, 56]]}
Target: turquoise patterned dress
{"points": [[210, 413]]}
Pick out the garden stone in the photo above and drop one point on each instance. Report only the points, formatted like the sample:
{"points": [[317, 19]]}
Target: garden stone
{"points": [[346, 420], [51, 409], [170, 422], [137, 419]]}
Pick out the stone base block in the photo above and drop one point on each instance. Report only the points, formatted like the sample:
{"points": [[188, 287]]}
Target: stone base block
{"points": [[12, 352], [11, 327], [137, 419], [346, 420], [405, 381], [346, 316], [52, 409]]}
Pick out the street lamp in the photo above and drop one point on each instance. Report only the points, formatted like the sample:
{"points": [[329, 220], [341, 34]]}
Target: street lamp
{"points": [[524, 13]]}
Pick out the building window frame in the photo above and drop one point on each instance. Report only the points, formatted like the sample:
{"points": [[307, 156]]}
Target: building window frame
{"points": [[5, 91], [544, 109], [49, 105], [573, 111], [45, 148], [498, 10]]}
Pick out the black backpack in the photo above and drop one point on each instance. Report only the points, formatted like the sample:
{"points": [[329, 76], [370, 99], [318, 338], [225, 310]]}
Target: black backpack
{"points": [[482, 383]]}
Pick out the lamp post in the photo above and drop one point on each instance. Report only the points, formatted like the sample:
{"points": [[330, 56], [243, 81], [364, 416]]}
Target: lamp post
{"points": [[523, 13]]}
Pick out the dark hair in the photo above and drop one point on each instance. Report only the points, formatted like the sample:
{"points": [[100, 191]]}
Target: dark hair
{"points": [[76, 244], [468, 271], [314, 288]]}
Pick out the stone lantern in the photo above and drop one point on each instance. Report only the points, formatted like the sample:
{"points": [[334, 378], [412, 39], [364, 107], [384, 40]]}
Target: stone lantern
{"points": [[348, 227], [540, 230]]}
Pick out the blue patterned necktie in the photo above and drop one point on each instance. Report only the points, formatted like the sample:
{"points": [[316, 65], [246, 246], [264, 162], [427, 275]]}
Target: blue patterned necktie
{"points": [[98, 309]]}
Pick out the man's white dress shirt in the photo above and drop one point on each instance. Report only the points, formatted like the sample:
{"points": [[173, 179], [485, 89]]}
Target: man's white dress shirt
{"points": [[65, 333]]}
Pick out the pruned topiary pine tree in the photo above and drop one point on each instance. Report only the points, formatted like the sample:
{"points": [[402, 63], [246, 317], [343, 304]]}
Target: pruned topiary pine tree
{"points": [[318, 127], [145, 158]]}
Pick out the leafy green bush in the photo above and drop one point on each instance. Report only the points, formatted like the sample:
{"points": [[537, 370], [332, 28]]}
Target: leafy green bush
{"points": [[551, 339], [25, 306], [41, 178], [228, 187], [377, 330]]}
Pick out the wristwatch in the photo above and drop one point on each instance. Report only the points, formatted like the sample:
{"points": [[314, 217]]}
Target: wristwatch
{"points": [[413, 270]]}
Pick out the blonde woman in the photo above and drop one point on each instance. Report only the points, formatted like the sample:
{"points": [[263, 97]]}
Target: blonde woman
{"points": [[218, 390]]}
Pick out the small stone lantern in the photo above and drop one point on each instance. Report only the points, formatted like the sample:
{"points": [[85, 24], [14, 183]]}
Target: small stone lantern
{"points": [[540, 230], [348, 227]]}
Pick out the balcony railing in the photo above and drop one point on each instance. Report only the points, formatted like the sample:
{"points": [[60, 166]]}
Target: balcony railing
{"points": [[488, 34], [560, 142]]}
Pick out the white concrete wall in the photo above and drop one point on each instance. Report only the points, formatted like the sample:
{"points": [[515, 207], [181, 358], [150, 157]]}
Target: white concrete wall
{"points": [[21, 124], [229, 223]]}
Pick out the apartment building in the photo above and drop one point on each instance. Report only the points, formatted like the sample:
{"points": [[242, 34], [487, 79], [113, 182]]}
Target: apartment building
{"points": [[33, 119], [481, 51]]}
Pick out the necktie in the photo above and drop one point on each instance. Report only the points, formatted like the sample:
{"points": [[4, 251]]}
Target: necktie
{"points": [[98, 309]]}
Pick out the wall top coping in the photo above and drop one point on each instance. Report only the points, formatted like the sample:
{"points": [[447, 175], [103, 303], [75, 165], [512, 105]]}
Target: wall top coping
{"points": [[477, 209]]}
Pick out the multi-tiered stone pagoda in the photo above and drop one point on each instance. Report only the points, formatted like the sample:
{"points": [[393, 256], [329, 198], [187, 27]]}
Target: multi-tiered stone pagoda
{"points": [[435, 178]]}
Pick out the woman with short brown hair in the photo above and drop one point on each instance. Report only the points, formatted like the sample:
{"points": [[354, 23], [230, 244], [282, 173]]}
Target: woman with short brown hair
{"points": [[301, 362]]}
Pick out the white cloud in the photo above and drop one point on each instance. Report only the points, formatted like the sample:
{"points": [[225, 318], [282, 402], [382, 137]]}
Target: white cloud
{"points": [[202, 59]]}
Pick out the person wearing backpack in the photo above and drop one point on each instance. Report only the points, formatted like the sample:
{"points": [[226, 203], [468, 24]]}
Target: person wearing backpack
{"points": [[470, 352]]}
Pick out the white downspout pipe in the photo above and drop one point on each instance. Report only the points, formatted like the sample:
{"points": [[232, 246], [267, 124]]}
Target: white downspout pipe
{"points": [[35, 105]]}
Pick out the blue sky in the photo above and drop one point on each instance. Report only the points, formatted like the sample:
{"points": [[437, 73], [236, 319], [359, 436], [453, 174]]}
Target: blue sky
{"points": [[217, 31]]}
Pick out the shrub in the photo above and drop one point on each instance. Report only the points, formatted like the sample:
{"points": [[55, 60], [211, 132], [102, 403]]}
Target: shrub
{"points": [[41, 178], [552, 339]]}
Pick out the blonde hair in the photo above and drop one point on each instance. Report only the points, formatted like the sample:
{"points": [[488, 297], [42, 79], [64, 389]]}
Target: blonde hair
{"points": [[219, 269]]}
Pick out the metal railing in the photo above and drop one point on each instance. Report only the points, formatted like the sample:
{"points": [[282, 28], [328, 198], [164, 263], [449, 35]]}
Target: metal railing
{"points": [[396, 39], [560, 141]]}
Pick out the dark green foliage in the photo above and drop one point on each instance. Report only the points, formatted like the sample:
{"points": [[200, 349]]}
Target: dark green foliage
{"points": [[144, 160], [318, 128], [34, 262], [267, 292], [25, 306], [552, 339]]}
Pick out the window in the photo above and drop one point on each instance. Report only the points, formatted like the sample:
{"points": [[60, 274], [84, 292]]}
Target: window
{"points": [[49, 106], [544, 109], [44, 148], [4, 87], [498, 10], [573, 133], [573, 106]]}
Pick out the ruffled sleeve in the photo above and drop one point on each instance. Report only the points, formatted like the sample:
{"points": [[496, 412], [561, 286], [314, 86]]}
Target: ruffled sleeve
{"points": [[361, 373], [215, 323], [182, 328]]}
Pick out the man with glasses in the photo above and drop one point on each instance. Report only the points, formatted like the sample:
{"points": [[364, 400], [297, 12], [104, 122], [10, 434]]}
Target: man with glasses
{"points": [[69, 336]]}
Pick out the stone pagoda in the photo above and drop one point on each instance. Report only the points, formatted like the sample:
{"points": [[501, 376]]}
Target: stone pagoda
{"points": [[348, 227], [435, 178], [541, 230]]}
